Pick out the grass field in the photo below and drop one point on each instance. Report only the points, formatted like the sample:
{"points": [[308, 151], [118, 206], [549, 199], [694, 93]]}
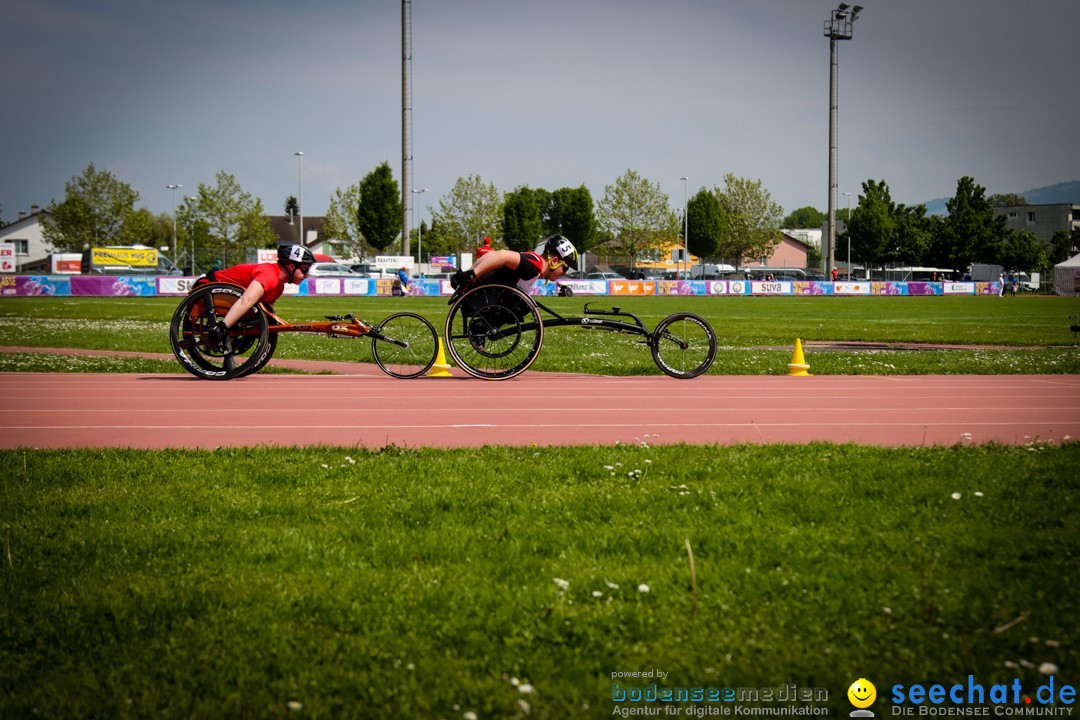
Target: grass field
{"points": [[514, 582], [756, 334], [392, 583]]}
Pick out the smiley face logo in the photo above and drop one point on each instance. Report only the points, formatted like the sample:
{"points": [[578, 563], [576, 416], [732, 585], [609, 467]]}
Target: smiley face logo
{"points": [[862, 693]]}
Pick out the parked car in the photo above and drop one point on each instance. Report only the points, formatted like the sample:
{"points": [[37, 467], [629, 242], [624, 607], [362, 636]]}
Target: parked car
{"points": [[604, 276], [676, 275], [325, 269], [365, 269]]}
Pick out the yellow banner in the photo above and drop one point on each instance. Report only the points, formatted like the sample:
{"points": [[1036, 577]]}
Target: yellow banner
{"points": [[132, 257]]}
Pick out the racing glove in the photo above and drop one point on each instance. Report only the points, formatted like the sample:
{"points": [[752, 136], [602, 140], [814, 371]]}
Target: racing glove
{"points": [[462, 278], [218, 336]]}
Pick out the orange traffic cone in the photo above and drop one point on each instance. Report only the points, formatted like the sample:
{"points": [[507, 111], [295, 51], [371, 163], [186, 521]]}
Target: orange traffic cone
{"points": [[441, 368], [798, 365]]}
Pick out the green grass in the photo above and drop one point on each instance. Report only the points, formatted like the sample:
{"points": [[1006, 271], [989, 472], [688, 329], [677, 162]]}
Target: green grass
{"points": [[747, 328], [420, 583]]}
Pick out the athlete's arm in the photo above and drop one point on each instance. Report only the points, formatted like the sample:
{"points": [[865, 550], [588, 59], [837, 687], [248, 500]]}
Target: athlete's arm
{"points": [[251, 296]]}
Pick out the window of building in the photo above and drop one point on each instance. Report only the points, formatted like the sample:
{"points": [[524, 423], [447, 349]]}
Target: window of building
{"points": [[1013, 214], [1031, 217], [22, 247]]}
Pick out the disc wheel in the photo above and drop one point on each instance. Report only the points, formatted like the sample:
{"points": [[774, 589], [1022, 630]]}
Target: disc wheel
{"points": [[683, 345], [249, 345], [494, 332], [405, 345]]}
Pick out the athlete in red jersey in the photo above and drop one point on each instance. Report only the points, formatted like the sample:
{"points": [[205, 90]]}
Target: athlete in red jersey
{"points": [[263, 282]]}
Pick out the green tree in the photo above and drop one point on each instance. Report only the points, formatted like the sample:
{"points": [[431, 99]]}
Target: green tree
{"points": [[752, 219], [379, 214], [972, 231], [804, 217], [636, 215], [572, 216], [913, 234], [235, 221], [521, 220], [342, 221], [292, 207], [98, 209], [471, 210], [1022, 250], [872, 228], [1063, 245], [1006, 200], [705, 224]]}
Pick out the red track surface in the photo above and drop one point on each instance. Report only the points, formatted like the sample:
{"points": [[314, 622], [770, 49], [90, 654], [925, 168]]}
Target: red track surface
{"points": [[373, 410]]}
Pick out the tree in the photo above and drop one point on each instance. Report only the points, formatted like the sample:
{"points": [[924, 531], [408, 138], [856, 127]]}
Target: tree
{"points": [[1006, 200], [637, 217], [804, 217], [1063, 245], [235, 221], [972, 231], [379, 214], [753, 219], [872, 227], [342, 221], [521, 219], [292, 207], [572, 216], [1022, 250], [705, 224], [471, 210], [98, 209]]}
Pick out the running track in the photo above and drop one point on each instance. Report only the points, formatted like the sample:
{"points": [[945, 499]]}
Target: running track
{"points": [[373, 410]]}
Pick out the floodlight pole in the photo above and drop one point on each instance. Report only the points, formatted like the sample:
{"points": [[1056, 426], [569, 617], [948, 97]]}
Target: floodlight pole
{"points": [[686, 223], [837, 27], [176, 250]]}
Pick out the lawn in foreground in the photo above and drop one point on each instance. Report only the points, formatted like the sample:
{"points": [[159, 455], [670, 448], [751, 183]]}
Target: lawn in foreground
{"points": [[393, 583]]}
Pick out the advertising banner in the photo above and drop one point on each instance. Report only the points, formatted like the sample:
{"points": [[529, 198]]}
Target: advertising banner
{"points": [[851, 288], [357, 286], [959, 288], [121, 286], [775, 287], [324, 286], [442, 263], [632, 287], [586, 287], [728, 287], [42, 286], [680, 287], [132, 257], [811, 287], [171, 285], [7, 257]]}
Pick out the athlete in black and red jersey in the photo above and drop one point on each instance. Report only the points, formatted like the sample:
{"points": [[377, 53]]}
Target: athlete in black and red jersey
{"points": [[263, 282], [521, 269]]}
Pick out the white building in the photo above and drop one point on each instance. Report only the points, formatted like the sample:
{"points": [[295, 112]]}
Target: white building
{"points": [[31, 250], [807, 236]]}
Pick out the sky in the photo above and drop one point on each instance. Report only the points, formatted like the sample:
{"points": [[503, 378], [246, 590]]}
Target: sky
{"points": [[544, 93]]}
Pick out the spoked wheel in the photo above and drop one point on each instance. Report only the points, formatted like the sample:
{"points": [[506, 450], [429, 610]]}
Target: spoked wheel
{"points": [[405, 345], [249, 347], [494, 332], [683, 345]]}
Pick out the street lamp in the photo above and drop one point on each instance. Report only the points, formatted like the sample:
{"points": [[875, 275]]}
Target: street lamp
{"points": [[300, 204], [193, 200], [847, 229], [837, 27], [419, 240], [176, 250], [686, 220]]}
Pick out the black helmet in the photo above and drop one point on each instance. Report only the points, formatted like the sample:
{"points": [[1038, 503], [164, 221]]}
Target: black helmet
{"points": [[557, 246], [294, 254]]}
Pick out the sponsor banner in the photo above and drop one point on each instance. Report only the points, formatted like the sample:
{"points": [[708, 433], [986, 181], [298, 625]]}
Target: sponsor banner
{"points": [[544, 287], [357, 286], [118, 286], [811, 287], [324, 286], [851, 288], [632, 287], [131, 257], [888, 288], [444, 263], [988, 288], [42, 286], [171, 285], [266, 255], [959, 288], [680, 287], [727, 287], [65, 263], [384, 287], [774, 287], [8, 285], [393, 262], [587, 287], [7, 257]]}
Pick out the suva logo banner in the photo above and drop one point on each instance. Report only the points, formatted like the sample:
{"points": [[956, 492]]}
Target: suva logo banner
{"points": [[967, 699]]}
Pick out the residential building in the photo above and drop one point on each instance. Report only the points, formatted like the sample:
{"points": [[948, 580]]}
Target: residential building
{"points": [[31, 250], [1043, 220]]}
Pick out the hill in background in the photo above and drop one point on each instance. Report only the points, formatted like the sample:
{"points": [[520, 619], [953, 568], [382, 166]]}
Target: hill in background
{"points": [[1064, 192]]}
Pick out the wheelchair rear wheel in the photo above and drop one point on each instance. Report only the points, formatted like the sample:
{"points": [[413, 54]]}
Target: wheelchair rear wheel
{"points": [[494, 332]]}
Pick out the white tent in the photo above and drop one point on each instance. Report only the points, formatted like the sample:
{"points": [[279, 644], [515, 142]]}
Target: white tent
{"points": [[1067, 277]]}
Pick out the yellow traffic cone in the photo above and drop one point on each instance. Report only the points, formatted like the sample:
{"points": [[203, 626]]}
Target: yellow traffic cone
{"points": [[441, 368], [798, 365]]}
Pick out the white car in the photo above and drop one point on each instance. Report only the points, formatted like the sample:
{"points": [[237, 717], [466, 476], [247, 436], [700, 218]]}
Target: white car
{"points": [[329, 269], [604, 276]]}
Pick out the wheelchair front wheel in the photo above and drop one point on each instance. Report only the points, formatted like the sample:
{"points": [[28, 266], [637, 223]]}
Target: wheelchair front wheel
{"points": [[683, 345], [405, 345]]}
